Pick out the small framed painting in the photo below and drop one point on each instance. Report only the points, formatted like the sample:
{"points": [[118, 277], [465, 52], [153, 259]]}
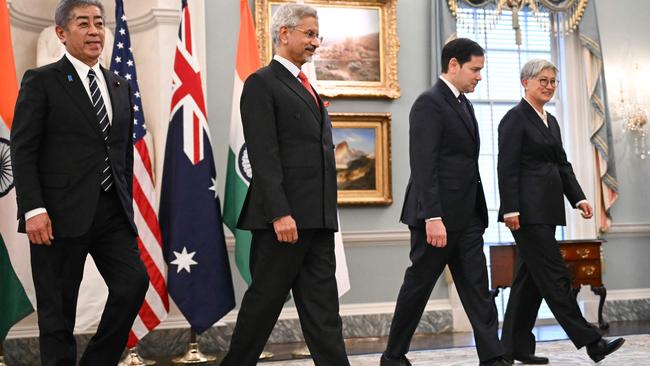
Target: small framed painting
{"points": [[363, 159]]}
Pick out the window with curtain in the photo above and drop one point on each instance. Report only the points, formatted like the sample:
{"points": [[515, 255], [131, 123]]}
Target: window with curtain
{"points": [[499, 91]]}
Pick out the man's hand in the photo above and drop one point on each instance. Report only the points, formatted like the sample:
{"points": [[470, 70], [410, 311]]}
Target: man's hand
{"points": [[587, 211], [286, 230], [39, 229], [512, 222], [436, 233]]}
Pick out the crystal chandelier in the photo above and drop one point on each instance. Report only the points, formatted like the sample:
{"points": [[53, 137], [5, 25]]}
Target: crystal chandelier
{"points": [[565, 14], [634, 121], [635, 124]]}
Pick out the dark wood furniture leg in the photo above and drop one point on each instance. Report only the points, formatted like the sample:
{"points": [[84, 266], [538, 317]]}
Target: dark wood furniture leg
{"points": [[602, 292]]}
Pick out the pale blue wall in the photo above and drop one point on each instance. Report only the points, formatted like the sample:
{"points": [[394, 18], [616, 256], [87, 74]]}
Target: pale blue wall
{"points": [[376, 272], [624, 27]]}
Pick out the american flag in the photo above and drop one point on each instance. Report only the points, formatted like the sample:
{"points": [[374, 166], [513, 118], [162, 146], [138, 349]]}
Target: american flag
{"points": [[156, 303], [199, 278]]}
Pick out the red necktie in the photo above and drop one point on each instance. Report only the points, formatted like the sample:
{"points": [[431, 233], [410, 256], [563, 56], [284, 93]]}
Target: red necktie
{"points": [[305, 82]]}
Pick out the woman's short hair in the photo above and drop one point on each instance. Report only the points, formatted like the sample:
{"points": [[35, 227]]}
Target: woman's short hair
{"points": [[533, 67]]}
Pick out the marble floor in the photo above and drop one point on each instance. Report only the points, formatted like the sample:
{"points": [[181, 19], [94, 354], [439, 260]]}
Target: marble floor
{"points": [[457, 348], [635, 351]]}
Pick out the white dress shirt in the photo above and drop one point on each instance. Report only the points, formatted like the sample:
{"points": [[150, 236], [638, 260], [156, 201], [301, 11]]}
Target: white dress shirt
{"points": [[293, 69]]}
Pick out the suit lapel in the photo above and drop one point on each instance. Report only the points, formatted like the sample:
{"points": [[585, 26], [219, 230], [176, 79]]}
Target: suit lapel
{"points": [[292, 82], [534, 118], [71, 83], [554, 127], [455, 105]]}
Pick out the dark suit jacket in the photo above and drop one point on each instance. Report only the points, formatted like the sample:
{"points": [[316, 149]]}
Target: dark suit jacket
{"points": [[58, 150], [534, 173], [290, 148], [445, 180]]}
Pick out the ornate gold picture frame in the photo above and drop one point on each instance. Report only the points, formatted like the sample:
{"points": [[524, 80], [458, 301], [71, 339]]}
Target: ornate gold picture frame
{"points": [[358, 54], [363, 159]]}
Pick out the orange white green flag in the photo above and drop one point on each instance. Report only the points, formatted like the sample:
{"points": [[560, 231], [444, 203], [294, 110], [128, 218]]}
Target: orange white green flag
{"points": [[14, 247], [239, 174]]}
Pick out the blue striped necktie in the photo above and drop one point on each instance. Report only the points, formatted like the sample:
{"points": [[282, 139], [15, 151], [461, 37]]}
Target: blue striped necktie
{"points": [[104, 126]]}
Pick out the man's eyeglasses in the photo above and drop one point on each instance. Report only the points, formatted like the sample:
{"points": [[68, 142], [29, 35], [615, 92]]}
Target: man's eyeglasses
{"points": [[310, 34], [545, 82]]}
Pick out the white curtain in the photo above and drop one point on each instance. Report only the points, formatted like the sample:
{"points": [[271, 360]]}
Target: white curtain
{"points": [[575, 117]]}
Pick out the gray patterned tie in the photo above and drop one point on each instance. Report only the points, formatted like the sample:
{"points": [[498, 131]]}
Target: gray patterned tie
{"points": [[104, 126]]}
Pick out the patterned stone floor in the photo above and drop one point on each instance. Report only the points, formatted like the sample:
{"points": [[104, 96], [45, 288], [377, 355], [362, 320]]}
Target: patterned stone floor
{"points": [[635, 352], [444, 349]]}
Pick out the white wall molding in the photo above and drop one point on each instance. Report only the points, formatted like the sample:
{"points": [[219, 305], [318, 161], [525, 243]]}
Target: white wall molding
{"points": [[628, 230], [628, 294], [154, 18], [375, 238], [177, 321], [26, 21], [589, 300], [151, 19]]}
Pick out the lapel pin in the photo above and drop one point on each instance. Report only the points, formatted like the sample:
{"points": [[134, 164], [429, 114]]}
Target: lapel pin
{"points": [[116, 84], [69, 78]]}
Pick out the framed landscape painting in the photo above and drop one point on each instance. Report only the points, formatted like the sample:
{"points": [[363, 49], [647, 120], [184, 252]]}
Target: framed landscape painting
{"points": [[358, 54], [363, 159]]}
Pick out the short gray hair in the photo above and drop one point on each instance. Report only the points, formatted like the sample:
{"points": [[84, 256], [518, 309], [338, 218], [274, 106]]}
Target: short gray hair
{"points": [[63, 13], [289, 15], [533, 67]]}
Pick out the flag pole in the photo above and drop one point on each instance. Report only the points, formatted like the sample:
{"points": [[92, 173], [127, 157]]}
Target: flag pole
{"points": [[193, 356]]}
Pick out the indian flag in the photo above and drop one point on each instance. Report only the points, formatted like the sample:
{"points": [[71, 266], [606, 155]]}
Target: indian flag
{"points": [[238, 175], [14, 247]]}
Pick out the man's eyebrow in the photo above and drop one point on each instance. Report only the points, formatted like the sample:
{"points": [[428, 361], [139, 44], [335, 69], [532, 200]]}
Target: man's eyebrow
{"points": [[86, 17]]}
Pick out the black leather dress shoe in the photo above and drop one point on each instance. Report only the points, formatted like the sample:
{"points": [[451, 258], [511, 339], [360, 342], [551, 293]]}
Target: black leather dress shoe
{"points": [[499, 361], [385, 361], [602, 347], [531, 359]]}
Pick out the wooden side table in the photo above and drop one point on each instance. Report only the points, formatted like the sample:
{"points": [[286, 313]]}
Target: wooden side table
{"points": [[583, 259]]}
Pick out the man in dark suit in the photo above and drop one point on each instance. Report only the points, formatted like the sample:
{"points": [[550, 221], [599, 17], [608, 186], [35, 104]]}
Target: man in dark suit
{"points": [[534, 177], [72, 154], [291, 202], [445, 207]]}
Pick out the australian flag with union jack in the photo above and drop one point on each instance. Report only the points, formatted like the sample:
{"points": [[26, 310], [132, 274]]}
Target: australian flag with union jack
{"points": [[199, 279]]}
